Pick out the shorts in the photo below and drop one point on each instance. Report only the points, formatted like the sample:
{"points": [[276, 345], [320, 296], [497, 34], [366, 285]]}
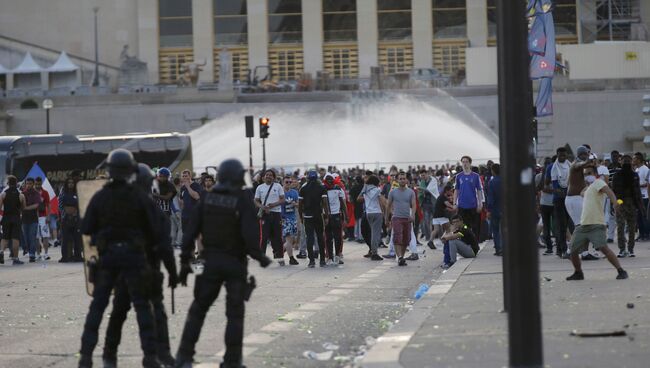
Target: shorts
{"points": [[43, 228], [11, 230], [53, 221], [289, 226], [401, 231], [585, 234], [440, 221]]}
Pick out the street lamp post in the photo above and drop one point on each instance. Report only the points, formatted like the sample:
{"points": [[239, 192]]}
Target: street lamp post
{"points": [[96, 78], [47, 105]]}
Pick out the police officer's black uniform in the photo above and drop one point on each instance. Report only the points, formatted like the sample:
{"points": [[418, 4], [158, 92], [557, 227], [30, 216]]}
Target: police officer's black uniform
{"points": [[226, 218], [121, 221], [163, 252]]}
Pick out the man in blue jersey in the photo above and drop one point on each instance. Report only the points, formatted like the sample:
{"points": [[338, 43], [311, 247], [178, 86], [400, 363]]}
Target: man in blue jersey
{"points": [[289, 219], [468, 196]]}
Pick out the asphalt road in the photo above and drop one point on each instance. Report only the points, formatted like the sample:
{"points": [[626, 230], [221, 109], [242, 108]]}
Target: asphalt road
{"points": [[293, 311]]}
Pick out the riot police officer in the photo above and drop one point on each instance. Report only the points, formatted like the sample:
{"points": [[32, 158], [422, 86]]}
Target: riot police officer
{"points": [[226, 218], [163, 252], [121, 222]]}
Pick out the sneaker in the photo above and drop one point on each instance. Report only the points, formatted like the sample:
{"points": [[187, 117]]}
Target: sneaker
{"points": [[2, 257], [46, 257], [301, 256], [323, 264], [431, 245], [281, 262], [341, 260], [336, 259], [401, 262], [64, 260], [548, 252], [330, 263], [389, 256], [622, 254], [631, 254], [293, 262], [498, 253], [446, 266], [589, 257], [413, 257], [18, 262], [24, 252], [565, 256], [622, 274], [367, 255], [311, 264], [360, 241], [110, 362], [610, 241], [32, 259], [578, 275], [376, 257]]}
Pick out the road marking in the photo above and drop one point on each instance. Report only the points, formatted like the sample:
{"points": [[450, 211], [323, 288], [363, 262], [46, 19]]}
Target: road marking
{"points": [[277, 327], [259, 338], [297, 315], [327, 298], [340, 292], [312, 306]]}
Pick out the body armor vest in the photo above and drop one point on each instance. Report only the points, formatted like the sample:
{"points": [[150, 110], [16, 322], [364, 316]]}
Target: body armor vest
{"points": [[221, 223]]}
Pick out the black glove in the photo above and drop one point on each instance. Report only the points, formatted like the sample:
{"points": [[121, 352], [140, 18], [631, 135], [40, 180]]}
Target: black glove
{"points": [[264, 261], [172, 280], [186, 269]]}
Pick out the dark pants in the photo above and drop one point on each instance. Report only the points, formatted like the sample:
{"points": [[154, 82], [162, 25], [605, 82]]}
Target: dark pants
{"points": [[366, 232], [547, 221], [272, 230], [121, 306], [315, 225], [562, 223], [642, 221], [334, 236], [495, 229], [471, 218], [70, 241], [115, 264], [219, 269], [626, 218]]}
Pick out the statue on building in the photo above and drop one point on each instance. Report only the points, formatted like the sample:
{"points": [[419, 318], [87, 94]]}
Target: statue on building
{"points": [[189, 73], [132, 69], [225, 69]]}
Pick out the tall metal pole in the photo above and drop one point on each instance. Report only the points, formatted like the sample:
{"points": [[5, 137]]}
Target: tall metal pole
{"points": [[250, 155], [610, 20], [263, 155], [516, 140], [47, 121], [96, 78]]}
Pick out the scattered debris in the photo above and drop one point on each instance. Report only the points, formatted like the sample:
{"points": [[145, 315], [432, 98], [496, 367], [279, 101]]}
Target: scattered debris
{"points": [[630, 305], [311, 355], [330, 346], [615, 333], [548, 278]]}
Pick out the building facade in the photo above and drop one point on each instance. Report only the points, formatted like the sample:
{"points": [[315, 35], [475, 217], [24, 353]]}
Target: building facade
{"points": [[342, 38]]}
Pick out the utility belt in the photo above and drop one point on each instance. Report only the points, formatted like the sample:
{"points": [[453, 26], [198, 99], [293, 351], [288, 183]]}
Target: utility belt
{"points": [[135, 245]]}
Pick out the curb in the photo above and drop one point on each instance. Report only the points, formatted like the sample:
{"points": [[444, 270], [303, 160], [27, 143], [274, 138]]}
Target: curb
{"points": [[386, 352]]}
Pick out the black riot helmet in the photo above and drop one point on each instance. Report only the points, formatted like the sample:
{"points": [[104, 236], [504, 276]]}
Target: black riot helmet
{"points": [[231, 173], [144, 177], [121, 164]]}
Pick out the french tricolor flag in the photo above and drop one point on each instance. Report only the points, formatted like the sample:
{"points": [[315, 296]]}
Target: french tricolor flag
{"points": [[35, 172]]}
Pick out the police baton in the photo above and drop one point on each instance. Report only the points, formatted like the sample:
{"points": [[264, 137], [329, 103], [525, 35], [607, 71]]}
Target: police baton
{"points": [[173, 302]]}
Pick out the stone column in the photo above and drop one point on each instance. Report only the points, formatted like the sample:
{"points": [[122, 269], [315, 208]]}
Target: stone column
{"points": [[422, 18], [477, 24], [367, 35], [258, 36], [203, 38], [148, 42], [312, 36]]}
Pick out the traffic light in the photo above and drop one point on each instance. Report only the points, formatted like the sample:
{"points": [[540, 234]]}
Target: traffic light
{"points": [[264, 127]]}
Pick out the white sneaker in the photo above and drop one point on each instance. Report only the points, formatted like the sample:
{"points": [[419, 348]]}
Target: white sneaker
{"points": [[281, 262], [336, 259], [438, 243], [331, 263]]}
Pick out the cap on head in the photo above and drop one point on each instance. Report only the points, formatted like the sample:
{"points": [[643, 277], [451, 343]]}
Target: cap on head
{"points": [[163, 171], [121, 164], [582, 150], [312, 175]]}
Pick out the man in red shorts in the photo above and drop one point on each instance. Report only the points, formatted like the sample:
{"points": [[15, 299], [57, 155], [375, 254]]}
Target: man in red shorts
{"points": [[401, 203]]}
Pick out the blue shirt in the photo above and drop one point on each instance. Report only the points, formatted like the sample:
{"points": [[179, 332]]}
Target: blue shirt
{"points": [[467, 185], [494, 196], [290, 202], [188, 201]]}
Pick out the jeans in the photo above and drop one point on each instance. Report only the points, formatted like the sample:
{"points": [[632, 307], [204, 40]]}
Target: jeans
{"points": [[561, 225], [357, 228], [547, 221], [472, 219], [375, 221], [642, 221], [314, 230], [427, 224], [30, 232], [333, 236], [177, 228], [272, 229], [495, 228], [458, 247]]}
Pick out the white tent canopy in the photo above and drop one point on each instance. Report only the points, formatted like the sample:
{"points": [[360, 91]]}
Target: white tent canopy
{"points": [[63, 64], [27, 66], [3, 70]]}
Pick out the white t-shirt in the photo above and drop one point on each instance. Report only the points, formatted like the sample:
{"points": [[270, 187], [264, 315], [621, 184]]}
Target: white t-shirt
{"points": [[603, 171], [643, 179], [276, 193], [333, 196], [592, 205], [371, 199]]}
